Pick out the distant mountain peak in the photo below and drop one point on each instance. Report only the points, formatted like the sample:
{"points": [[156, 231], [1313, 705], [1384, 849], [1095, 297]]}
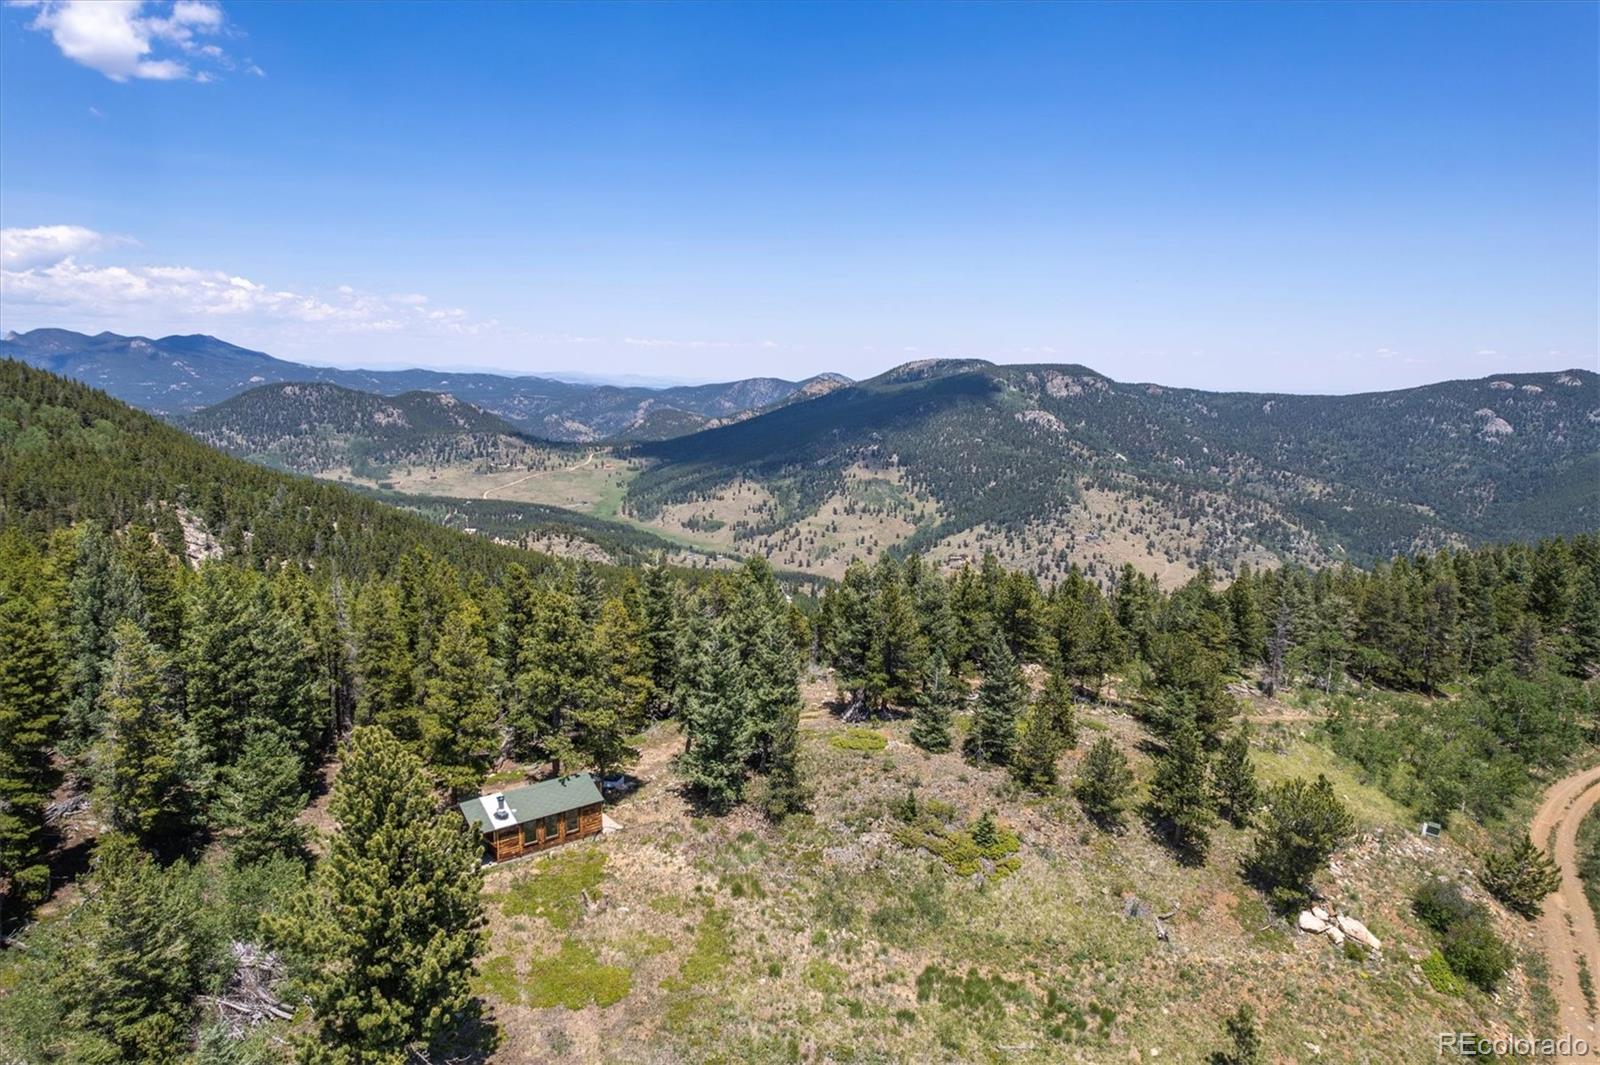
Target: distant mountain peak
{"points": [[924, 369], [179, 374]]}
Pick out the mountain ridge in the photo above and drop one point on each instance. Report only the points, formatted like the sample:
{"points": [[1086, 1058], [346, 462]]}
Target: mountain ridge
{"points": [[1057, 455], [179, 374]]}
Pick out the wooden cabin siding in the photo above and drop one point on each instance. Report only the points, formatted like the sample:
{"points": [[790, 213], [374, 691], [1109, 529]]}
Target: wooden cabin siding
{"points": [[533, 836]]}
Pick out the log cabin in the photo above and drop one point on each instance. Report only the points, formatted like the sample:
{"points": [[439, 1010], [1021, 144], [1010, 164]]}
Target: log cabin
{"points": [[536, 817]]}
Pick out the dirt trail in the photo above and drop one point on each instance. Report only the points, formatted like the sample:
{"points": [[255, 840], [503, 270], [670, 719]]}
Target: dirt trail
{"points": [[512, 484], [1567, 925]]}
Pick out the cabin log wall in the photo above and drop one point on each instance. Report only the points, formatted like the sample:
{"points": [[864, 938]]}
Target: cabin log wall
{"points": [[530, 837]]}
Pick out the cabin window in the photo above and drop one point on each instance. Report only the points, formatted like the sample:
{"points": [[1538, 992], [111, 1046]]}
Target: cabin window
{"points": [[552, 826], [530, 834], [572, 822]]}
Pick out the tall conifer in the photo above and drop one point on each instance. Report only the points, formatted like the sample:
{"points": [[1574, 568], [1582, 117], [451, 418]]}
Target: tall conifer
{"points": [[387, 934]]}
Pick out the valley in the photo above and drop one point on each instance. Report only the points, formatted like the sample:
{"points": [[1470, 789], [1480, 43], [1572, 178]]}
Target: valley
{"points": [[937, 809], [791, 533], [1047, 467]]}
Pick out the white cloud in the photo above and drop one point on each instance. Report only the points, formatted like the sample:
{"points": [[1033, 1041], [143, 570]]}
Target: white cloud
{"points": [[119, 38], [42, 278], [42, 245]]}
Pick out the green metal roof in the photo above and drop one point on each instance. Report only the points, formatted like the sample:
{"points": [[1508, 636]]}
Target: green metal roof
{"points": [[532, 802]]}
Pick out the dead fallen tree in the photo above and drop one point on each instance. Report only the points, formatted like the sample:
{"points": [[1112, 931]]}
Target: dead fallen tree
{"points": [[251, 997], [61, 809]]}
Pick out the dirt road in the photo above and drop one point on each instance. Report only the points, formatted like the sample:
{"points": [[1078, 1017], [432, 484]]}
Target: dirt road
{"points": [[512, 484], [1567, 925]]}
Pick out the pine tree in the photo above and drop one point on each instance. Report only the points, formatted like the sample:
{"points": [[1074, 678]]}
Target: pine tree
{"points": [[1102, 649], [387, 934], [248, 667], [662, 636], [1248, 627], [855, 637], [218, 663], [1104, 784], [262, 795], [88, 641], [1325, 645], [716, 716], [305, 650], [1001, 699], [937, 697], [1300, 825], [1584, 652], [147, 773], [1041, 739], [121, 972], [757, 624], [787, 792], [935, 613], [557, 680], [1180, 802], [1521, 876], [31, 671], [606, 723], [1186, 675], [985, 834], [385, 683], [1060, 708], [1233, 778], [1019, 614], [459, 725], [588, 592], [153, 576], [898, 649]]}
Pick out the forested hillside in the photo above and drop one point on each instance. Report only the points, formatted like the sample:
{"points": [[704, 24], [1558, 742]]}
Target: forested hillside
{"points": [[1052, 464], [313, 428], [69, 453], [177, 374], [931, 809]]}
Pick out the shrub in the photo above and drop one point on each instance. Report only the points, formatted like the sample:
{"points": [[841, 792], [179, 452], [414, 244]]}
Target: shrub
{"points": [[1244, 1039], [1301, 825], [1476, 952], [963, 850], [1440, 976], [1440, 904], [905, 809], [1521, 876], [860, 739], [1104, 783]]}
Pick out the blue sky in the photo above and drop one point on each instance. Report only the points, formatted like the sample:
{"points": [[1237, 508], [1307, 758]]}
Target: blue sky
{"points": [[1303, 197]]}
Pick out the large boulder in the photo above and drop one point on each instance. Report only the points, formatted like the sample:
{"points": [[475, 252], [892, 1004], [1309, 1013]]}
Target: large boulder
{"points": [[1358, 932]]}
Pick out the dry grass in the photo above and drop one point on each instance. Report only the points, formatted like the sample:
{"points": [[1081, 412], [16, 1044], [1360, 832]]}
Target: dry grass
{"points": [[561, 478], [825, 939]]}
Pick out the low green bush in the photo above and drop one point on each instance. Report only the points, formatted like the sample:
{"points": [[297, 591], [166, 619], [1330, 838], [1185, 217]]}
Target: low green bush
{"points": [[1440, 976], [860, 739], [1476, 952], [1440, 904]]}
